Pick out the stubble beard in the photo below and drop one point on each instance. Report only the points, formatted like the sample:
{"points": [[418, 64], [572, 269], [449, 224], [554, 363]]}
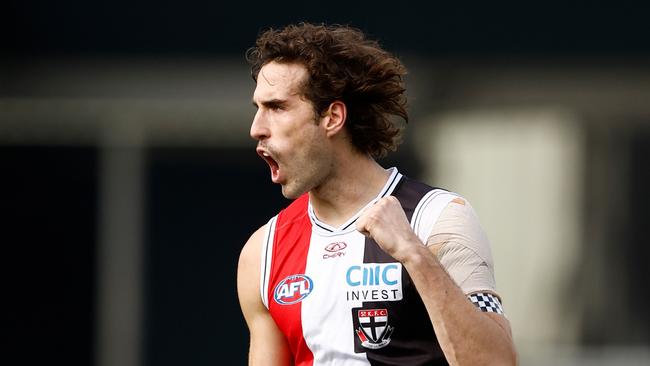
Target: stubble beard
{"points": [[311, 168], [310, 171]]}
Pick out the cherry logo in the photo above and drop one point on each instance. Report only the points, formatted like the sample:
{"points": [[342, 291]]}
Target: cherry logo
{"points": [[335, 247]]}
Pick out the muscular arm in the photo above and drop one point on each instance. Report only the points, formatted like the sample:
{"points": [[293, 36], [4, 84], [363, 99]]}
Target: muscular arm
{"points": [[267, 344], [467, 335]]}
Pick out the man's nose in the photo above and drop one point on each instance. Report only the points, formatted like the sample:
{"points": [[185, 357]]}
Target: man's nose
{"points": [[259, 128]]}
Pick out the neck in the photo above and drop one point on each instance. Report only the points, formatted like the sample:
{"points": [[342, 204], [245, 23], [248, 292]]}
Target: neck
{"points": [[355, 181]]}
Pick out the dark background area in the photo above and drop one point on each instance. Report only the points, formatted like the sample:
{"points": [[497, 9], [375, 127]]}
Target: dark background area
{"points": [[200, 207], [108, 28], [48, 196], [201, 210]]}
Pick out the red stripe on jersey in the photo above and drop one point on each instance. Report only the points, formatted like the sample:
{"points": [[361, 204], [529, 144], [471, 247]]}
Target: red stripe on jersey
{"points": [[292, 237], [362, 336]]}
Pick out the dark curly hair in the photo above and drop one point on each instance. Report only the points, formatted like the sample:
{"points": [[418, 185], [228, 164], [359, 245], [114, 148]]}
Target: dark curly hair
{"points": [[342, 65]]}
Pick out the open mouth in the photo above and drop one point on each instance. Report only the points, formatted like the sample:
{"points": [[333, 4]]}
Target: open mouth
{"points": [[275, 167]]}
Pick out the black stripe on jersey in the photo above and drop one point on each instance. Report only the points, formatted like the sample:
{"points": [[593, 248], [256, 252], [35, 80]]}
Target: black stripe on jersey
{"points": [[322, 227], [348, 225], [413, 340], [396, 177]]}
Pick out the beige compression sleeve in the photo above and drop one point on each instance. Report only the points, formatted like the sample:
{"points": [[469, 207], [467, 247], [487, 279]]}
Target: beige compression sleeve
{"points": [[463, 248]]}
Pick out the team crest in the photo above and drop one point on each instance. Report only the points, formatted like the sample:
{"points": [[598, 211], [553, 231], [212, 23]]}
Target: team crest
{"points": [[373, 329]]}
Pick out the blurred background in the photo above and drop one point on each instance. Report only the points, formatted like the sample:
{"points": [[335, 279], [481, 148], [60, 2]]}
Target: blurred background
{"points": [[129, 183]]}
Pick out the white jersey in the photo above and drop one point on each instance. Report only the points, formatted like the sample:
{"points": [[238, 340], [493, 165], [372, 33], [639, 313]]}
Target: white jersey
{"points": [[341, 300]]}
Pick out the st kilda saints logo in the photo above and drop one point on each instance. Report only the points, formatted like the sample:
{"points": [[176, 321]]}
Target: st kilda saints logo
{"points": [[371, 327]]}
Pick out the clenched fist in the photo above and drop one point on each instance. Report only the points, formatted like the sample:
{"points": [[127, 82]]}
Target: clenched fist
{"points": [[386, 223]]}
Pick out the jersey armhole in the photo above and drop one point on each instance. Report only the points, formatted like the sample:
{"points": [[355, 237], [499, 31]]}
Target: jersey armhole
{"points": [[266, 259]]}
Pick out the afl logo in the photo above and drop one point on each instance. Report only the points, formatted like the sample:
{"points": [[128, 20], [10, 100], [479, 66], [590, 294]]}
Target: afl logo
{"points": [[335, 247], [293, 289]]}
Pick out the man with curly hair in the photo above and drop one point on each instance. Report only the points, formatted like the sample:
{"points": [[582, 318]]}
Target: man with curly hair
{"points": [[365, 266]]}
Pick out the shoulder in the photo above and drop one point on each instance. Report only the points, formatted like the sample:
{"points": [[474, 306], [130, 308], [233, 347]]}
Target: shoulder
{"points": [[457, 215], [248, 273], [459, 239], [458, 223], [423, 204], [462, 247], [250, 256]]}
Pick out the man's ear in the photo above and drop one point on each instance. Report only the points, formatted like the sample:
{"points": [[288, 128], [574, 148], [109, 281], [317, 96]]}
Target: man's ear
{"points": [[335, 118]]}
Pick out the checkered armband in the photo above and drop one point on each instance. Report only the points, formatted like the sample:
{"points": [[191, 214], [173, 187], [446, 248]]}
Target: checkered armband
{"points": [[486, 302]]}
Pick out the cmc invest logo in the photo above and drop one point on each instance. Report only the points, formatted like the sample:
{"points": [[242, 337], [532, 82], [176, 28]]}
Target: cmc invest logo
{"points": [[293, 289]]}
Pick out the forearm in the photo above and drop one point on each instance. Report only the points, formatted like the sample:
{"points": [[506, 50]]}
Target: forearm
{"points": [[265, 353], [466, 335]]}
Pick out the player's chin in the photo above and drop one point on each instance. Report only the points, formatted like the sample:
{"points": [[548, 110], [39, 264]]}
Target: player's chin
{"points": [[292, 191], [288, 193]]}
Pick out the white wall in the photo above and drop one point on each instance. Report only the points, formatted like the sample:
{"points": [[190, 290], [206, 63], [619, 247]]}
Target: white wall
{"points": [[522, 171]]}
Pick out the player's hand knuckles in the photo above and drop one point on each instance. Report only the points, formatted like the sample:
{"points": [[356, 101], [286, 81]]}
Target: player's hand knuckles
{"points": [[373, 217]]}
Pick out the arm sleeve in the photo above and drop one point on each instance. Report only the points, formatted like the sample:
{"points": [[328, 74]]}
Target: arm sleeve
{"points": [[464, 248]]}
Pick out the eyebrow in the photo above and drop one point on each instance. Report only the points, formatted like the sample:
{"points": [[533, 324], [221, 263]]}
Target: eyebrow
{"points": [[271, 103]]}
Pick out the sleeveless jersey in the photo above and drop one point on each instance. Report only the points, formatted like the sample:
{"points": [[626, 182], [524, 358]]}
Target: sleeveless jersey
{"points": [[338, 298]]}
